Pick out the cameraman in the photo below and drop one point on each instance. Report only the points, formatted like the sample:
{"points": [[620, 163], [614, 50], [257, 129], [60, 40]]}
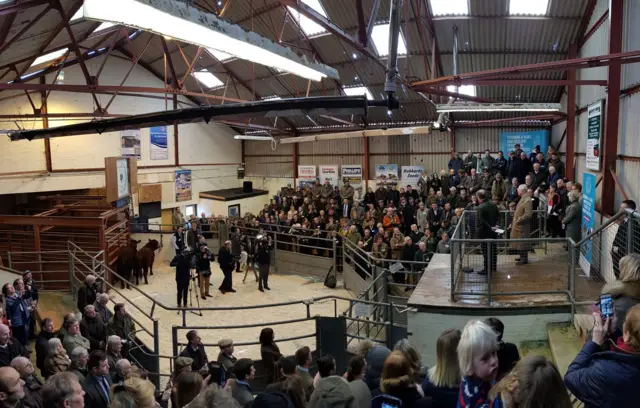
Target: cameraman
{"points": [[263, 259], [182, 263], [203, 266]]}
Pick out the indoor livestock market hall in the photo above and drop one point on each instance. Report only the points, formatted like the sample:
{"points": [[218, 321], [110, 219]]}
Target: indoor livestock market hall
{"points": [[319, 203]]}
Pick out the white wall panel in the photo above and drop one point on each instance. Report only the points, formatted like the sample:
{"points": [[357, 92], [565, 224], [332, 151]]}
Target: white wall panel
{"points": [[631, 41], [338, 146], [598, 44], [629, 126], [581, 136], [202, 143], [628, 172]]}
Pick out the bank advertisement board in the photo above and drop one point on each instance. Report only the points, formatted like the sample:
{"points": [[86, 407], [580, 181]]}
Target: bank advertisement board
{"points": [[588, 216]]}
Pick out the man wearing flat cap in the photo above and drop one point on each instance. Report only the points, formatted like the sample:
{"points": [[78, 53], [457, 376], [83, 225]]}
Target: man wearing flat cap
{"points": [[225, 357]]}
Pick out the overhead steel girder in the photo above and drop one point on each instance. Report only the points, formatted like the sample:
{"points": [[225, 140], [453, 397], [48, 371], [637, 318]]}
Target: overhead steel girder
{"points": [[480, 123], [515, 82], [110, 89], [324, 22], [16, 7], [579, 63], [327, 105]]}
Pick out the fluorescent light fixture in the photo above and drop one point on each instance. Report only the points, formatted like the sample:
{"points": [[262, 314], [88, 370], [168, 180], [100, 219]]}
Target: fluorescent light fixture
{"points": [[450, 7], [307, 25], [49, 57], [3, 2], [271, 98], [219, 55], [500, 107], [380, 38], [528, 7], [207, 79], [469, 90], [248, 137], [191, 25], [358, 91]]}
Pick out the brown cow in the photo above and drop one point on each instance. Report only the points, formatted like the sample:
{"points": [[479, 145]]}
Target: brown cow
{"points": [[144, 260], [126, 263]]}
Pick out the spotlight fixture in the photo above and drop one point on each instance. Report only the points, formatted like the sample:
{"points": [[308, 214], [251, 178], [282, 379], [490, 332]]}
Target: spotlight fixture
{"points": [[188, 24]]}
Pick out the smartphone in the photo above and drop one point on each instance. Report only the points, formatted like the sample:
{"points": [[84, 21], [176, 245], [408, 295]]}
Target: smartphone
{"points": [[606, 306], [386, 401]]}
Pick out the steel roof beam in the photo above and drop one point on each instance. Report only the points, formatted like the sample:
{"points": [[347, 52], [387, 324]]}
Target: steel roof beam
{"points": [[17, 7], [513, 82], [579, 63], [324, 22]]}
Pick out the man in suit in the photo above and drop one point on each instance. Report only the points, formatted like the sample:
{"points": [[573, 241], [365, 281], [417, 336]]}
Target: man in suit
{"points": [[433, 217], [473, 183], [538, 176], [97, 384], [488, 214], [345, 209], [521, 224], [195, 350]]}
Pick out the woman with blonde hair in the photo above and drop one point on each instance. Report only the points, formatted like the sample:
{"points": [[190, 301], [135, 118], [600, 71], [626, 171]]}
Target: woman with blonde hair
{"points": [[443, 380], [397, 381], [133, 392], [626, 290], [533, 383], [606, 371]]}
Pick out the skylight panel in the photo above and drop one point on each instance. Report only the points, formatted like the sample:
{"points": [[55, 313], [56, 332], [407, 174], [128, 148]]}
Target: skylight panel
{"points": [[380, 38], [219, 55], [102, 27], [49, 57], [358, 91], [450, 7], [207, 79], [79, 14], [308, 26], [469, 90], [528, 7], [5, 2]]}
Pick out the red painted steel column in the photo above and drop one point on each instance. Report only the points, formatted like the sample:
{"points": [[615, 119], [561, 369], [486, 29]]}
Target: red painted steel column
{"points": [[45, 125], [609, 161], [571, 117], [366, 165], [175, 134], [295, 163], [452, 139]]}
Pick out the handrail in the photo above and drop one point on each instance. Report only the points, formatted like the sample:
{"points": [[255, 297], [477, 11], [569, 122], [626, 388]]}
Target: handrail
{"points": [[610, 221]]}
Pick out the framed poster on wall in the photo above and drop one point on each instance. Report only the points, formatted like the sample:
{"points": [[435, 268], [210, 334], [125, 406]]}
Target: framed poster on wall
{"points": [[594, 135]]}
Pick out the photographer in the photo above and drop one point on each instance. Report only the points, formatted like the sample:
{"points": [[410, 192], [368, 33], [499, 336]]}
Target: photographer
{"points": [[263, 259], [182, 263], [203, 266]]}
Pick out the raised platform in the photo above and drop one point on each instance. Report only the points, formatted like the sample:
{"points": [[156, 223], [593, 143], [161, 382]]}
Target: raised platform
{"points": [[231, 194]]}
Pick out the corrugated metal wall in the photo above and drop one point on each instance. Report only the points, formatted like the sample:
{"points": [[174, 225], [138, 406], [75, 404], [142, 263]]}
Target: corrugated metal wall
{"points": [[262, 161], [631, 41]]}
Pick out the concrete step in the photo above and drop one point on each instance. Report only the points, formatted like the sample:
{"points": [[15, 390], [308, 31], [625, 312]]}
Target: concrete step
{"points": [[565, 343], [535, 348]]}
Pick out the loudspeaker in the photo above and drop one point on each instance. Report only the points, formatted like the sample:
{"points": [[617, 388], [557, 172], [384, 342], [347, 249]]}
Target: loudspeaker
{"points": [[247, 187]]}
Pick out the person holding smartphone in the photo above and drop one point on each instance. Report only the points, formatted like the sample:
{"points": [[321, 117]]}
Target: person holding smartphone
{"points": [[607, 369]]}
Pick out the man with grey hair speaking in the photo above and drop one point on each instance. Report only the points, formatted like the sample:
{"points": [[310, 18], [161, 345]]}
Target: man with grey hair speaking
{"points": [[521, 224]]}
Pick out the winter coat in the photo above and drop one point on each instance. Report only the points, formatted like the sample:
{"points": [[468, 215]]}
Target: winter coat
{"points": [[332, 391], [604, 379], [499, 190], [572, 221], [55, 364], [500, 166], [270, 353], [121, 327], [442, 397], [455, 164], [42, 341], [94, 330], [70, 342], [14, 349], [521, 225]]}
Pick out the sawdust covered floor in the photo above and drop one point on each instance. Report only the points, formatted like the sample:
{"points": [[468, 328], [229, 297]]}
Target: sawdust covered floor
{"points": [[284, 288]]}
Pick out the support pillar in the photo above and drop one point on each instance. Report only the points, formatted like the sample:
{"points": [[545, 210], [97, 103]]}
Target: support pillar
{"points": [[612, 109], [571, 117], [366, 164], [452, 139], [295, 164], [45, 125], [175, 134]]}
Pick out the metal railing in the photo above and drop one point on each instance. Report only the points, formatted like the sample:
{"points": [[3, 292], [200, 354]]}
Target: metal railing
{"points": [[482, 269]]}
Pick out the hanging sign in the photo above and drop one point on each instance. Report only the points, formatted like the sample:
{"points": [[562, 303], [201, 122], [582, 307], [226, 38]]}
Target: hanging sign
{"points": [[130, 143], [158, 139], [594, 135]]}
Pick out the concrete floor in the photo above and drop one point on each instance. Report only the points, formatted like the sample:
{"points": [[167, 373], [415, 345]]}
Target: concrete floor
{"points": [[284, 288]]}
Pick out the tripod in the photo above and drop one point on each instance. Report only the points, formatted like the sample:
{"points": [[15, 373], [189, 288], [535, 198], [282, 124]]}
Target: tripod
{"points": [[194, 287], [250, 265]]}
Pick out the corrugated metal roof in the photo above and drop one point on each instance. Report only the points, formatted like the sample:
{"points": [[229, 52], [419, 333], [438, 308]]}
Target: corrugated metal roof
{"points": [[488, 38]]}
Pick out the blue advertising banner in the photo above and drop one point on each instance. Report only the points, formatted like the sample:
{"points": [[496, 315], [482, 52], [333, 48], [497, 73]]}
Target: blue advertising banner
{"points": [[527, 140], [158, 136], [588, 217]]}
